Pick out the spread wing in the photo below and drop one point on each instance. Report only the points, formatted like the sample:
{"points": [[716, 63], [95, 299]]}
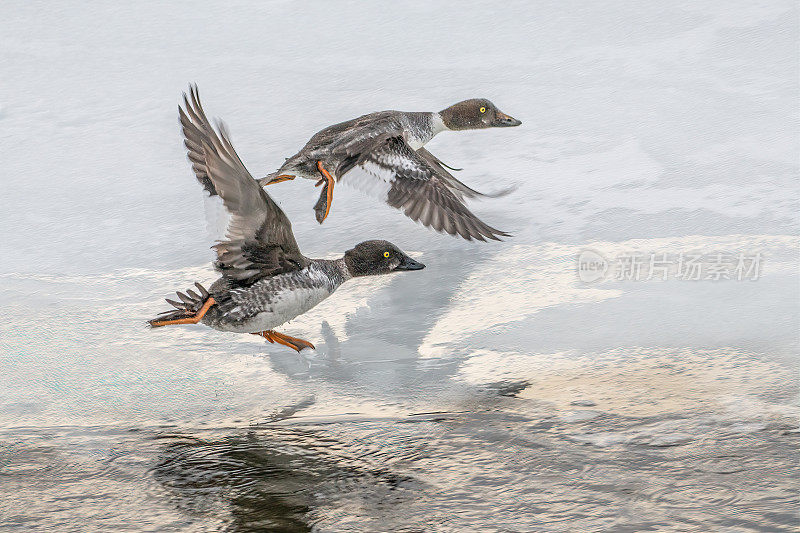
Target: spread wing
{"points": [[259, 240], [459, 188], [416, 183]]}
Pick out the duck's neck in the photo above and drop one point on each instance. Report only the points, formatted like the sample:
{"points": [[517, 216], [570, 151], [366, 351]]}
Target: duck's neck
{"points": [[334, 271], [341, 267], [422, 127], [437, 124]]}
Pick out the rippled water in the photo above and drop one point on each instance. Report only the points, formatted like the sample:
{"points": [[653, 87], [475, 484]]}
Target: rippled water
{"points": [[493, 391]]}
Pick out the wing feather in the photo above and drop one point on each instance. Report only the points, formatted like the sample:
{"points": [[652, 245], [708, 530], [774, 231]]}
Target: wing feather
{"points": [[459, 188], [259, 239], [419, 186]]}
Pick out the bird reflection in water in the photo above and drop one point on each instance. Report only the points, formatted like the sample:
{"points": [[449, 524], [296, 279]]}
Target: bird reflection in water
{"points": [[266, 481]]}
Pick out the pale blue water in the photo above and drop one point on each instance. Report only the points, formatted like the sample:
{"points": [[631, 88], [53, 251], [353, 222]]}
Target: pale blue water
{"points": [[493, 391]]}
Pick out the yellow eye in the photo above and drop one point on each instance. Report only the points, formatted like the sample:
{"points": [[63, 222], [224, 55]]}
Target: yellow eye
{"points": [[483, 110], [386, 254]]}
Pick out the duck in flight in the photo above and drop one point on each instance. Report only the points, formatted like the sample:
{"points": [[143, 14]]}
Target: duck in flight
{"points": [[265, 280], [383, 154]]}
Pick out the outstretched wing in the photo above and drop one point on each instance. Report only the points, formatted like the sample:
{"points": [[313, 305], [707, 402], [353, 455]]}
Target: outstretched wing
{"points": [[459, 188], [259, 240], [416, 183]]}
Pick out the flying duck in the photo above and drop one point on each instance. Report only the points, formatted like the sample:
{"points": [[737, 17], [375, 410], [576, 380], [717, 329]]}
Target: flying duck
{"points": [[265, 280], [382, 153]]}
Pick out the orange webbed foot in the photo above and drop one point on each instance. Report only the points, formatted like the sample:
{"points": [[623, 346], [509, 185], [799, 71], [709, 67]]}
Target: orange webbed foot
{"points": [[280, 179], [287, 340], [189, 320], [327, 193]]}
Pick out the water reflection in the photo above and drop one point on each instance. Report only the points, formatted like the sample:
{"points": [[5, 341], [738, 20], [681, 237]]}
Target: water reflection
{"points": [[268, 480], [253, 485], [499, 467]]}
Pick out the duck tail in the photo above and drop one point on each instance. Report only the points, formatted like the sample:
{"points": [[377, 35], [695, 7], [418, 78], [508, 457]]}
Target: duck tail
{"points": [[187, 308]]}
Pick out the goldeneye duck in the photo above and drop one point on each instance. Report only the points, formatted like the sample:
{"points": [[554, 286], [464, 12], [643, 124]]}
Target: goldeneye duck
{"points": [[265, 280], [382, 153]]}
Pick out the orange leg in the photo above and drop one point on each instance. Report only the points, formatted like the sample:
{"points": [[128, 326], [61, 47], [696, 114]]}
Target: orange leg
{"points": [[279, 179], [329, 179], [190, 320], [266, 334], [292, 342]]}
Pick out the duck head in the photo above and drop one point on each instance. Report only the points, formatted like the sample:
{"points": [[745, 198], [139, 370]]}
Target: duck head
{"points": [[378, 257], [475, 114]]}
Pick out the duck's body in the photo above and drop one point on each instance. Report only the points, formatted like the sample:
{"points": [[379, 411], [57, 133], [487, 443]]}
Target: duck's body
{"points": [[274, 300], [383, 154], [334, 144], [265, 280]]}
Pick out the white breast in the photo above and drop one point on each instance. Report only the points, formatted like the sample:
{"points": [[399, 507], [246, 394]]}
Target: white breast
{"points": [[287, 305], [284, 304]]}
